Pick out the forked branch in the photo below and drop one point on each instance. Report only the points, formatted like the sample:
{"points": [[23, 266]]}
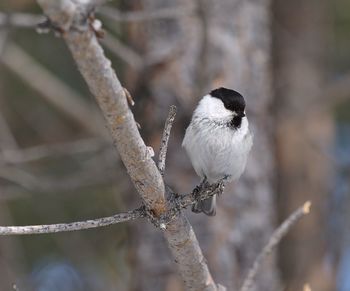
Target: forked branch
{"points": [[177, 202], [71, 18]]}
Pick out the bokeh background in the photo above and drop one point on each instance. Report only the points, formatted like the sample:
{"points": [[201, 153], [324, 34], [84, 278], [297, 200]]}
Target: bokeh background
{"points": [[291, 61]]}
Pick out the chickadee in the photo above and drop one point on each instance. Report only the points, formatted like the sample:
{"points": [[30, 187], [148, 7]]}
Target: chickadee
{"points": [[218, 141]]}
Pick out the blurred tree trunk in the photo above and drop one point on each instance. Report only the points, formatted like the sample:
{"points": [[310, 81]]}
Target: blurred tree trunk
{"points": [[222, 43], [303, 137]]}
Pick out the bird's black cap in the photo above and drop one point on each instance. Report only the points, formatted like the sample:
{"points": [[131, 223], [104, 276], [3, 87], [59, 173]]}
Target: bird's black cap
{"points": [[232, 100]]}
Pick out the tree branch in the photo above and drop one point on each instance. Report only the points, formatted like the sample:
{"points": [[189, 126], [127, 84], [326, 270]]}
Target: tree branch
{"points": [[79, 225], [109, 93], [165, 139], [274, 240], [72, 19], [178, 203]]}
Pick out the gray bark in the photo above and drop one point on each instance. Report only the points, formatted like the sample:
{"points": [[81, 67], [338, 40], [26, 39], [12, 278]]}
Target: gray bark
{"points": [[96, 69]]}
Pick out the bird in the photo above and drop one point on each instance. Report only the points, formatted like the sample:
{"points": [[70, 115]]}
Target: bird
{"points": [[218, 141]]}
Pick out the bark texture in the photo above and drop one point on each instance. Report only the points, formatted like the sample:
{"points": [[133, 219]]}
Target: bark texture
{"points": [[110, 95], [71, 17]]}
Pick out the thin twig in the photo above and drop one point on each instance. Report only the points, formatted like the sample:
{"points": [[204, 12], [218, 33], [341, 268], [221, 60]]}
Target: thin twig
{"points": [[79, 225], [165, 139], [178, 203], [129, 97], [274, 240]]}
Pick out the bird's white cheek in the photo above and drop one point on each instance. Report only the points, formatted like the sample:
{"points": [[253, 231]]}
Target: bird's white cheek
{"points": [[212, 108]]}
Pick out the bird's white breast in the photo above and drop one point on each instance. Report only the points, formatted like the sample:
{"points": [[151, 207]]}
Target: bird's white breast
{"points": [[216, 150]]}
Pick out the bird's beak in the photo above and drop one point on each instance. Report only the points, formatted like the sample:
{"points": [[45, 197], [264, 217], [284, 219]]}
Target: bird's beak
{"points": [[242, 114]]}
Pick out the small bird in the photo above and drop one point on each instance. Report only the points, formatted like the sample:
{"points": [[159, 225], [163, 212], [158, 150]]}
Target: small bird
{"points": [[218, 141]]}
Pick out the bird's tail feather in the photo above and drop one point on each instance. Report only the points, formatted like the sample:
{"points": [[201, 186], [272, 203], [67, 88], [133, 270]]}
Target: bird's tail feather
{"points": [[207, 206]]}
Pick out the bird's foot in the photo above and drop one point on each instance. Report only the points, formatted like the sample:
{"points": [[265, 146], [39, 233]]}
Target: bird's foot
{"points": [[220, 186], [199, 188], [196, 191]]}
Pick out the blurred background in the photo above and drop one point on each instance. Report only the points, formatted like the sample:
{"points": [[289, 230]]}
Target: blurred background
{"points": [[291, 61]]}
